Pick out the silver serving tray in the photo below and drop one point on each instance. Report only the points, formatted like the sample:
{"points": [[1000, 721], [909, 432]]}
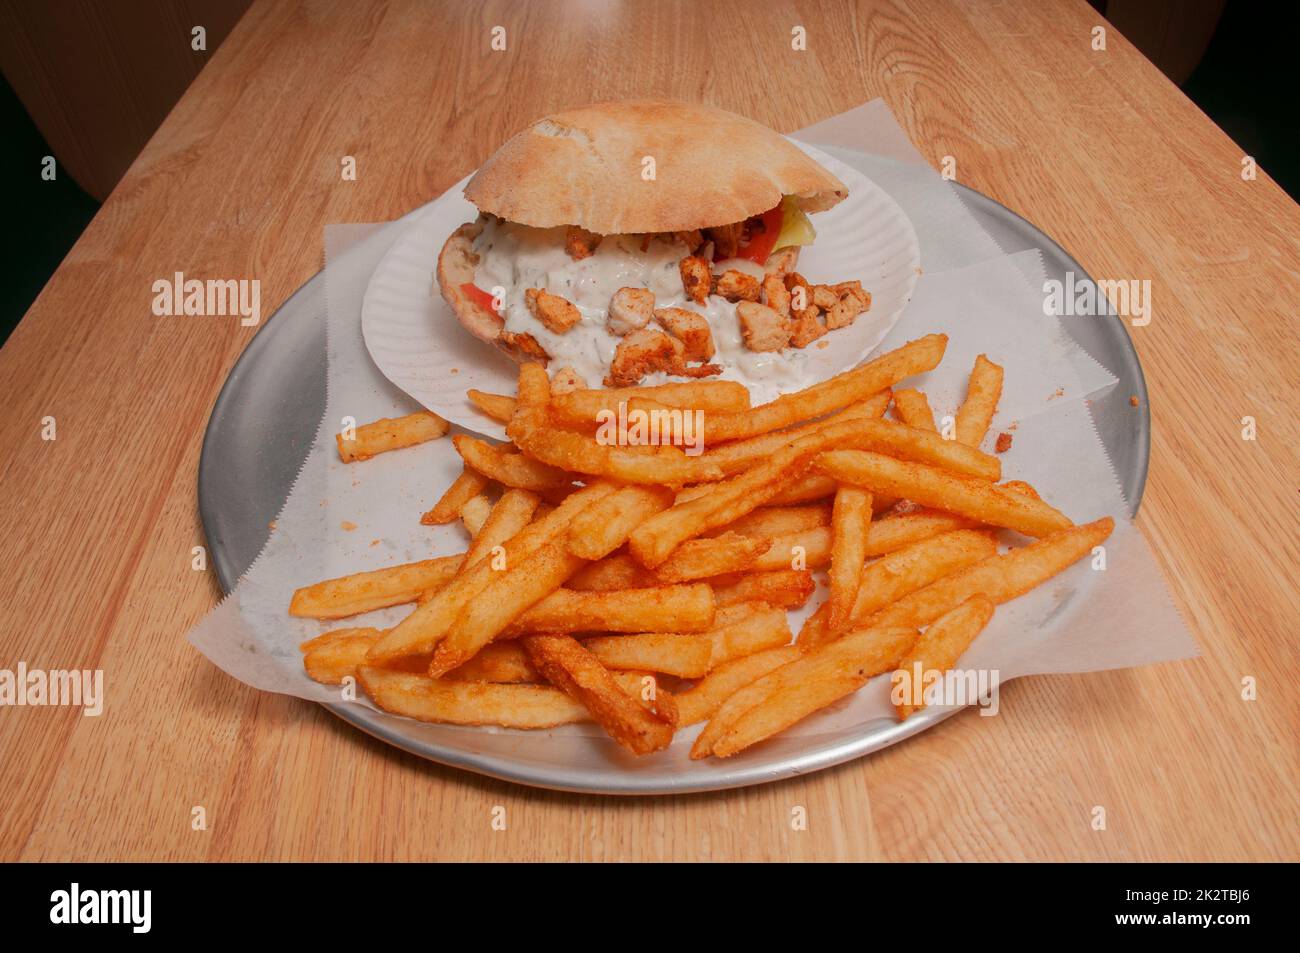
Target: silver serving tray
{"points": [[265, 420]]}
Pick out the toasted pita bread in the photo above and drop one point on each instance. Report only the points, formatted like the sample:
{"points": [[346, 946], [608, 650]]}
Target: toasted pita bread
{"points": [[587, 167], [457, 263]]}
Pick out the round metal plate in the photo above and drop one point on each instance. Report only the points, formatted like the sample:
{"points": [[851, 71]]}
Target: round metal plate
{"points": [[265, 420]]}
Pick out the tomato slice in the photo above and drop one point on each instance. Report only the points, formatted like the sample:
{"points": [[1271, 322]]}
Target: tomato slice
{"points": [[479, 296], [763, 239]]}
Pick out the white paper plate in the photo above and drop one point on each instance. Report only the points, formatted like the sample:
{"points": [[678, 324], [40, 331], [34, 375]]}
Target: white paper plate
{"points": [[416, 341]]}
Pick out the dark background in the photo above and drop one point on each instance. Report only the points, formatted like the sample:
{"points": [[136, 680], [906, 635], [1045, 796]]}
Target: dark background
{"points": [[1244, 82]]}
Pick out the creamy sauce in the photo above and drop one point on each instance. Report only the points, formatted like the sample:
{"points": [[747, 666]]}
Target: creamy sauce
{"points": [[516, 258]]}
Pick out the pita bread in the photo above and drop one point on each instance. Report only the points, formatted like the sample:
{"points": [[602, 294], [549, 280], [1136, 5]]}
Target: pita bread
{"points": [[588, 167]]}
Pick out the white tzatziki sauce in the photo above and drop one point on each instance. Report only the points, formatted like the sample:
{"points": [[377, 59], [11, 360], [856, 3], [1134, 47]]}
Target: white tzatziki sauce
{"points": [[517, 257]]}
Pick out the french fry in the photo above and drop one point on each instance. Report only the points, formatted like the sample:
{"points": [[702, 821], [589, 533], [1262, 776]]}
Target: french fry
{"points": [[930, 486], [582, 408], [849, 527], [475, 513], [503, 600], [740, 455], [809, 488], [813, 546], [645, 688], [807, 685], [390, 433], [336, 655], [420, 631], [897, 530], [713, 556], [840, 666], [469, 703], [686, 656], [982, 394], [1001, 578], [366, 591], [918, 446], [684, 608], [619, 571], [905, 570], [653, 540], [937, 650], [498, 662], [605, 525], [746, 628], [497, 406], [809, 549], [504, 521], [332, 657], [913, 408], [531, 430], [567, 665], [508, 468], [1020, 486], [774, 521], [915, 357], [789, 588], [899, 573], [468, 485], [703, 699]]}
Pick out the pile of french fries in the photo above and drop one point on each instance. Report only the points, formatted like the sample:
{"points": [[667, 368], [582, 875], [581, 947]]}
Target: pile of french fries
{"points": [[647, 589]]}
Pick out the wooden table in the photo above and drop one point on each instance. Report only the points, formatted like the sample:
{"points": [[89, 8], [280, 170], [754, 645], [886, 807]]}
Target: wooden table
{"points": [[1096, 147]]}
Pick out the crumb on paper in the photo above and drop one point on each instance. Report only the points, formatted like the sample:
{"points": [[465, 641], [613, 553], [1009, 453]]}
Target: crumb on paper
{"points": [[271, 526], [1060, 392], [455, 370], [1133, 400], [1013, 426], [822, 344], [348, 525], [1004, 443], [374, 542]]}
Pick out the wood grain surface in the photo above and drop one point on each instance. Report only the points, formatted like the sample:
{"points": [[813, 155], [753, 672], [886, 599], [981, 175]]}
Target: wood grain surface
{"points": [[1095, 147]]}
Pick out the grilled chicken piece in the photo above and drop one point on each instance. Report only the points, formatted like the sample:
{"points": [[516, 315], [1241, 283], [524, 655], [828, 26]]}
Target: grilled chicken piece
{"points": [[640, 353], [691, 329], [557, 314], [824, 297], [696, 278], [776, 296], [800, 291], [630, 309], [736, 286], [806, 327], [580, 243], [762, 328], [845, 311], [523, 347]]}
